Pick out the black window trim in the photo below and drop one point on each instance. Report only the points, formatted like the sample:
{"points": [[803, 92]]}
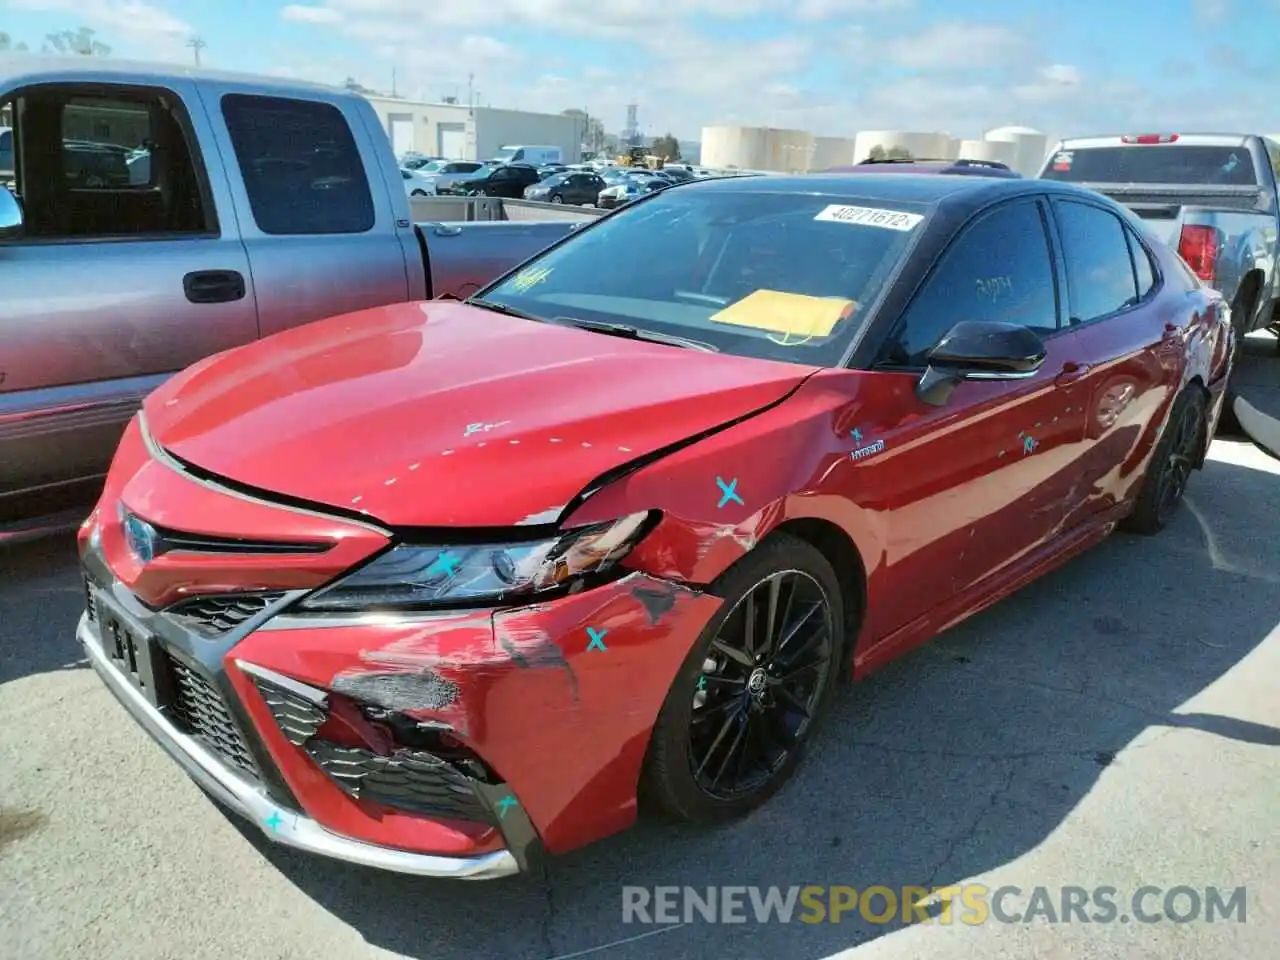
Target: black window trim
{"points": [[1055, 259], [1126, 229], [1137, 245], [348, 127], [143, 93]]}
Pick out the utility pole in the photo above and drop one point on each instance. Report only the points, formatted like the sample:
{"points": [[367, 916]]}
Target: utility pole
{"points": [[196, 45], [471, 94]]}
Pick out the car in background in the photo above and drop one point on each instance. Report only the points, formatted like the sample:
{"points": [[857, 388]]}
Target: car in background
{"points": [[630, 188], [418, 161], [962, 167], [455, 172], [534, 156], [416, 183], [551, 169], [615, 526], [575, 188], [508, 180], [1211, 196]]}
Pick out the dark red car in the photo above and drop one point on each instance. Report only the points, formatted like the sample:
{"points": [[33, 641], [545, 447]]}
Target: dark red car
{"points": [[440, 587]]}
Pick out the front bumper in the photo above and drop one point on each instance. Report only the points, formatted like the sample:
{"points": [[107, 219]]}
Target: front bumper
{"points": [[287, 827]]}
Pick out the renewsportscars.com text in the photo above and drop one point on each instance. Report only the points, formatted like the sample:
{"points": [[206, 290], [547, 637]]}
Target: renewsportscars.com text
{"points": [[971, 904]]}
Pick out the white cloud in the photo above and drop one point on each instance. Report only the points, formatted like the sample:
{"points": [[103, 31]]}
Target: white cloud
{"points": [[820, 10], [299, 13], [1058, 81], [955, 44], [131, 18], [1211, 12]]}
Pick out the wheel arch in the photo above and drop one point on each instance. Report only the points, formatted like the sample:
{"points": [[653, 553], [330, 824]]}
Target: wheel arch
{"points": [[842, 553]]}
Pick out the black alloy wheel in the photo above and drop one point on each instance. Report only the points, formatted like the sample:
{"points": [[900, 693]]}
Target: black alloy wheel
{"points": [[761, 684], [753, 689], [1178, 452]]}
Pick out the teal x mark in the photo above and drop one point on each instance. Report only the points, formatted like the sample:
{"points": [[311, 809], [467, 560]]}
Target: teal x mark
{"points": [[505, 804], [857, 436], [445, 562], [274, 820], [597, 639], [729, 491]]}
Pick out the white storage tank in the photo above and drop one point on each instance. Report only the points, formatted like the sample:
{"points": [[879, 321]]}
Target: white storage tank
{"points": [[788, 150], [729, 146], [923, 145], [1032, 145], [834, 152], [996, 151]]}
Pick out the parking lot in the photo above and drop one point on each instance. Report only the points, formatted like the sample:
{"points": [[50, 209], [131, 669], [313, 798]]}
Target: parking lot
{"points": [[1115, 723]]}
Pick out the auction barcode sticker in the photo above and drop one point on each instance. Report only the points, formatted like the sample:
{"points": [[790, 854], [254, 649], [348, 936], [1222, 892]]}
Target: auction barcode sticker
{"points": [[870, 217]]}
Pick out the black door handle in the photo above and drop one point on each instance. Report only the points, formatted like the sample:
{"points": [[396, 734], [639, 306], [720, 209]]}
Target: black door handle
{"points": [[214, 286]]}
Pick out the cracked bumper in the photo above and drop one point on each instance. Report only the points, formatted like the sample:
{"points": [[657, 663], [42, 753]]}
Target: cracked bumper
{"points": [[251, 801]]}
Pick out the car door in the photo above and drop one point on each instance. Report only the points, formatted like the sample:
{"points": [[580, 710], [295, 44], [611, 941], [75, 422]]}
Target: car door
{"points": [[321, 239], [1133, 337], [983, 481], [122, 275]]}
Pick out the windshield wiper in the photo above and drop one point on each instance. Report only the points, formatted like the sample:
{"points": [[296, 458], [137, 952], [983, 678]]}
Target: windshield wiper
{"points": [[502, 308], [635, 333]]}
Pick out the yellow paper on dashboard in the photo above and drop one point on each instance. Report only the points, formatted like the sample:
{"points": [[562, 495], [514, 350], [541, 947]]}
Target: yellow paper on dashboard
{"points": [[792, 314]]}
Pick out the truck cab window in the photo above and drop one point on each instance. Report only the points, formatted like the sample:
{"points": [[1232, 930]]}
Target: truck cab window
{"points": [[301, 167], [90, 167]]}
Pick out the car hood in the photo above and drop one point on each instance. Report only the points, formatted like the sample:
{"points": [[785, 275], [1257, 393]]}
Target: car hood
{"points": [[443, 414]]}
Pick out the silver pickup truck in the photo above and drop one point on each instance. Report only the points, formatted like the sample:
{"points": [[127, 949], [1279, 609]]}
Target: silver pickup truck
{"points": [[156, 215], [1212, 197]]}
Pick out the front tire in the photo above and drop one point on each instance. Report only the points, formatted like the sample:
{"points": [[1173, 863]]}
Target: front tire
{"points": [[556, 198], [754, 688], [1177, 454]]}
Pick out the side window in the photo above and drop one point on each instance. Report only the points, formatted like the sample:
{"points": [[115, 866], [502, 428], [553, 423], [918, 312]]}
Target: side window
{"points": [[90, 166], [998, 269], [300, 165], [1100, 277], [1142, 266]]}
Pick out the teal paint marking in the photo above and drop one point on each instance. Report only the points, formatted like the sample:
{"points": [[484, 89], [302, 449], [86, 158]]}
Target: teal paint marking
{"points": [[702, 683], [444, 562], [857, 436], [274, 821], [729, 491], [1029, 443], [505, 804], [597, 639]]}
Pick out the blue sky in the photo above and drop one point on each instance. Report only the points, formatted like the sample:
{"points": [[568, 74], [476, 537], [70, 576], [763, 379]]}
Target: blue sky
{"points": [[830, 66]]}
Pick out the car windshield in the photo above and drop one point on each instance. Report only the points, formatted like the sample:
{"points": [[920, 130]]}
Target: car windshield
{"points": [[760, 273], [1154, 163]]}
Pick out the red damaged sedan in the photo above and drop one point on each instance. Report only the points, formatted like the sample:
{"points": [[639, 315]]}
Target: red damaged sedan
{"points": [[442, 587]]}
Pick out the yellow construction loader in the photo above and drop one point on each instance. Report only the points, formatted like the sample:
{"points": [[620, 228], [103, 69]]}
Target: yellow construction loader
{"points": [[638, 157]]}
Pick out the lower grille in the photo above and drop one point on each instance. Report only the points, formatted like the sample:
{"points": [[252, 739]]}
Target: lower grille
{"points": [[297, 717], [200, 710], [213, 616], [407, 779]]}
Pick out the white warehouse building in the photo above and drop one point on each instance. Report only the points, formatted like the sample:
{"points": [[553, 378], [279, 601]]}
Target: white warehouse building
{"points": [[462, 133], [757, 148]]}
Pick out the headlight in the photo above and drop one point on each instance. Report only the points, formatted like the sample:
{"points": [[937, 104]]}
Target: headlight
{"points": [[423, 577]]}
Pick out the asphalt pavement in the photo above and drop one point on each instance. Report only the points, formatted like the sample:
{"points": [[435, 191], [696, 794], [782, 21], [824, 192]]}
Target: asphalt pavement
{"points": [[1115, 723]]}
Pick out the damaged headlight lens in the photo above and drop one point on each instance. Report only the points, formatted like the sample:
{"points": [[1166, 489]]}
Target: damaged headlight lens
{"points": [[411, 577]]}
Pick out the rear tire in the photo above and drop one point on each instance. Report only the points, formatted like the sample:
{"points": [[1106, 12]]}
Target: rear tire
{"points": [[556, 198], [1178, 453], [767, 705]]}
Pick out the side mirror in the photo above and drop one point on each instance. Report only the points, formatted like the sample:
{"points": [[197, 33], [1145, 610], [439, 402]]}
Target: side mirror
{"points": [[10, 214], [980, 350]]}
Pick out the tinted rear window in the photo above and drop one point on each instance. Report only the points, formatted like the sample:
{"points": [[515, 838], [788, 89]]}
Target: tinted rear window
{"points": [[1156, 163]]}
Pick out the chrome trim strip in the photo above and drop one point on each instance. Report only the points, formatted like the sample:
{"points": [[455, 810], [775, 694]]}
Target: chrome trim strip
{"points": [[281, 826], [160, 455], [321, 621], [309, 693]]}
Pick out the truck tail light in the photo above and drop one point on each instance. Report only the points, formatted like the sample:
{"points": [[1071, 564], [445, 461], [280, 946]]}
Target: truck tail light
{"points": [[1148, 138], [1199, 246]]}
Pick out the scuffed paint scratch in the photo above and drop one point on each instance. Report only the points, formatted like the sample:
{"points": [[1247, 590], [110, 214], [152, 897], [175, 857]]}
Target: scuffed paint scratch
{"points": [[420, 690], [549, 515], [531, 647], [657, 599]]}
